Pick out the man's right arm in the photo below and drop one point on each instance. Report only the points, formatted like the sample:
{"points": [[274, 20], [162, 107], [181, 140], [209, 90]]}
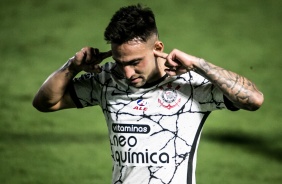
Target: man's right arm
{"points": [[54, 95]]}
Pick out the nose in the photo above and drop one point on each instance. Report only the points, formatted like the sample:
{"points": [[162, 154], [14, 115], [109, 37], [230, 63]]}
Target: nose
{"points": [[128, 71]]}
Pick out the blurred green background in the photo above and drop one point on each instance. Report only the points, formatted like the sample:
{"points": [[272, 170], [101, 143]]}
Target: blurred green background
{"points": [[71, 146]]}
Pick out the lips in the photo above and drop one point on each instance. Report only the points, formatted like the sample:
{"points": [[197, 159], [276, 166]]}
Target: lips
{"points": [[135, 80]]}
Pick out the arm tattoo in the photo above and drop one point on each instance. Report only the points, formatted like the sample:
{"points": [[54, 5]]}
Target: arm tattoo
{"points": [[238, 89], [65, 68]]}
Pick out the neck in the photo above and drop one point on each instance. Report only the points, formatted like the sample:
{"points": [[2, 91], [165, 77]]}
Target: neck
{"points": [[160, 62], [160, 70]]}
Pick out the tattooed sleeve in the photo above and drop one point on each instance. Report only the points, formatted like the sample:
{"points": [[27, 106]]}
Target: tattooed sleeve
{"points": [[154, 132]]}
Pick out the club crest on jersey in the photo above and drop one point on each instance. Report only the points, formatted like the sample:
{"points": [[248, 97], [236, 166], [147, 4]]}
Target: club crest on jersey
{"points": [[141, 105], [169, 97]]}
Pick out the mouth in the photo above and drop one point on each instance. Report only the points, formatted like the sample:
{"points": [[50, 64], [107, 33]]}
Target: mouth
{"points": [[135, 80]]}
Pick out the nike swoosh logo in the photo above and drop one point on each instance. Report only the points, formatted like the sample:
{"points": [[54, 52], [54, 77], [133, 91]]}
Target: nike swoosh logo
{"points": [[116, 93]]}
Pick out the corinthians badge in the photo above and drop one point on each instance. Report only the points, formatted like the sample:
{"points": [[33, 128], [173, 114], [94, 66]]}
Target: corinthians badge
{"points": [[169, 96]]}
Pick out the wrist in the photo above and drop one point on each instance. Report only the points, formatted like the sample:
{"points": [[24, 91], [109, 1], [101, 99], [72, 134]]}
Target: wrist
{"points": [[195, 64], [70, 68]]}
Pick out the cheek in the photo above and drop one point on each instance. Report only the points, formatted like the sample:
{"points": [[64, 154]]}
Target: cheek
{"points": [[145, 67], [142, 65], [149, 63]]}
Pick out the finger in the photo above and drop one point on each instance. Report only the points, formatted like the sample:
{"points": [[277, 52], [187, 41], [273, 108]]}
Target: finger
{"points": [[85, 55], [104, 55], [175, 71], [171, 72], [80, 56], [97, 69], [172, 63], [160, 54], [97, 56], [93, 68], [94, 54], [181, 70]]}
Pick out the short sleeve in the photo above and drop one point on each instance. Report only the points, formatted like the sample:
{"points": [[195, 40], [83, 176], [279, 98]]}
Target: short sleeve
{"points": [[73, 95], [209, 96], [84, 90]]}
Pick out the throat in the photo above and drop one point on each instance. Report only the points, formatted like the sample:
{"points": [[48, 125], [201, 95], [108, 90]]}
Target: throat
{"points": [[150, 84]]}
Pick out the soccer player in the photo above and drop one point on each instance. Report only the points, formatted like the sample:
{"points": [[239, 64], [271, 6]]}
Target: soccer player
{"points": [[155, 103]]}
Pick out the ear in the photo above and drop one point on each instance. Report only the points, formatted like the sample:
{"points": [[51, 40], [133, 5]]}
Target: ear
{"points": [[159, 46]]}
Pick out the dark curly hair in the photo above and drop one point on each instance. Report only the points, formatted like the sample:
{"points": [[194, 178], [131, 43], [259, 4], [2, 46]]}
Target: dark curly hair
{"points": [[131, 22]]}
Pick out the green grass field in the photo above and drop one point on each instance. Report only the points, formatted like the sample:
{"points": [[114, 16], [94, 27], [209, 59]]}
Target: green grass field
{"points": [[71, 146]]}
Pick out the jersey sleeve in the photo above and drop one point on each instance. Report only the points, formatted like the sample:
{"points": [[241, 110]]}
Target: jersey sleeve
{"points": [[209, 96], [84, 90]]}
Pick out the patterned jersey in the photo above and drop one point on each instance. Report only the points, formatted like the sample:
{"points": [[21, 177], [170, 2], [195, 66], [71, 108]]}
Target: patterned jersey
{"points": [[154, 131]]}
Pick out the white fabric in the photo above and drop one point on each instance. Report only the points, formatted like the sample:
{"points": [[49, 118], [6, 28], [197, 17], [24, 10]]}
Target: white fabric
{"points": [[154, 132]]}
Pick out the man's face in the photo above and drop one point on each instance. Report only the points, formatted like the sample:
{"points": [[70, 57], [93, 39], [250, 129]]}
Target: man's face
{"points": [[137, 61]]}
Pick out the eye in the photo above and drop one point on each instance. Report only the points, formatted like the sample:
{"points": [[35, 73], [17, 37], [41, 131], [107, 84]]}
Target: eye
{"points": [[135, 63]]}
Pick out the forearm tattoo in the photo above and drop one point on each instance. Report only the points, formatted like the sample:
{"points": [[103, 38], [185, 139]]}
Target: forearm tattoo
{"points": [[238, 89], [66, 69]]}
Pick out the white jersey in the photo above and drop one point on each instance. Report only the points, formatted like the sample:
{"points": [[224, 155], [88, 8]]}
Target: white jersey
{"points": [[154, 131]]}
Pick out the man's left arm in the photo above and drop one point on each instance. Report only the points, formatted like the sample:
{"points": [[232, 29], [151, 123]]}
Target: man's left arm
{"points": [[239, 90]]}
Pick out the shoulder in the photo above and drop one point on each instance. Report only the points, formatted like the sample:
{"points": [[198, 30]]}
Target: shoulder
{"points": [[191, 78], [107, 72]]}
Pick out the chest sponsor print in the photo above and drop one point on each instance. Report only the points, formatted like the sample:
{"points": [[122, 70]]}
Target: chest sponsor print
{"points": [[141, 105]]}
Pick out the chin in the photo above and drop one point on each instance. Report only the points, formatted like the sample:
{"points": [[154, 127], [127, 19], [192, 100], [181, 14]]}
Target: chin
{"points": [[138, 85]]}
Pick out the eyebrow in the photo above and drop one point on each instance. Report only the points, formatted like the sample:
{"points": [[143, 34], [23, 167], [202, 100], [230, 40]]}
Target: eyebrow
{"points": [[130, 62]]}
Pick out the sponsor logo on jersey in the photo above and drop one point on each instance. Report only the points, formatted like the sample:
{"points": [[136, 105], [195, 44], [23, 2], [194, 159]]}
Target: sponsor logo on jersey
{"points": [[141, 102], [125, 147], [130, 128], [124, 153], [169, 97], [141, 105], [114, 93]]}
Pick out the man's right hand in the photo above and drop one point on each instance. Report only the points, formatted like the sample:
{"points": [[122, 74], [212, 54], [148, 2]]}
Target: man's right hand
{"points": [[88, 60], [53, 95]]}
